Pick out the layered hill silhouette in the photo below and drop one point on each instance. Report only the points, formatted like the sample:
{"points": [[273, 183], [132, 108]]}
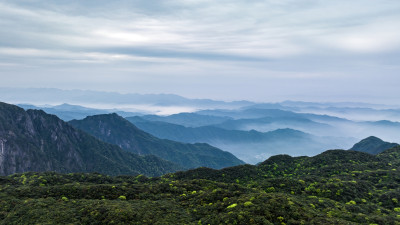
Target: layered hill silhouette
{"points": [[35, 141], [373, 145], [251, 146], [114, 129], [211, 133], [69, 112]]}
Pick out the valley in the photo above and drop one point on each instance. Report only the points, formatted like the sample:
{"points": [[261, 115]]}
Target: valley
{"points": [[254, 131], [199, 112], [152, 169]]}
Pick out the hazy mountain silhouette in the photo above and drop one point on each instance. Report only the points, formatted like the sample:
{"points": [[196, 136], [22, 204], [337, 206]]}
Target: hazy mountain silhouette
{"points": [[114, 129], [69, 112], [251, 146]]}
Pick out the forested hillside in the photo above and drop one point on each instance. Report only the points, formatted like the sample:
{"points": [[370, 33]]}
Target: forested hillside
{"points": [[33, 140], [335, 187], [114, 129]]}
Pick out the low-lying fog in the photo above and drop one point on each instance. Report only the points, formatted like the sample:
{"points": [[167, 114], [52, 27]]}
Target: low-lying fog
{"points": [[328, 125]]}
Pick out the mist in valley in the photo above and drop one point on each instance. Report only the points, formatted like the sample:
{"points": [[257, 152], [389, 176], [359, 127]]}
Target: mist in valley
{"points": [[319, 126], [254, 153]]}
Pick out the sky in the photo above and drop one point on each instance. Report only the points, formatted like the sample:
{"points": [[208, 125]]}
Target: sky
{"points": [[268, 51]]}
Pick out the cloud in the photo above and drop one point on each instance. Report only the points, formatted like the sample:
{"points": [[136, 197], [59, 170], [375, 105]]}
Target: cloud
{"points": [[228, 40], [267, 30]]}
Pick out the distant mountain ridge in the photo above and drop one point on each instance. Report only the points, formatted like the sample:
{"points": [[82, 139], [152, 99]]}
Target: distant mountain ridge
{"points": [[35, 141], [54, 95], [248, 118], [114, 129], [373, 145], [69, 112], [208, 133], [251, 146], [188, 119]]}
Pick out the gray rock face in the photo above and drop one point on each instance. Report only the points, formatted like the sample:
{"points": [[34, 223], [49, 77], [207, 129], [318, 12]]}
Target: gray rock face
{"points": [[35, 141]]}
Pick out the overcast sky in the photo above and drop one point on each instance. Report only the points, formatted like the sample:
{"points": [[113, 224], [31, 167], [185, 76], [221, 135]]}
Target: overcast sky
{"points": [[272, 50]]}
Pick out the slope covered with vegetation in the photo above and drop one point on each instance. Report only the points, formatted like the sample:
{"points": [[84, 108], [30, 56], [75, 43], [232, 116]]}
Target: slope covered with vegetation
{"points": [[373, 145], [114, 129], [335, 187], [35, 141]]}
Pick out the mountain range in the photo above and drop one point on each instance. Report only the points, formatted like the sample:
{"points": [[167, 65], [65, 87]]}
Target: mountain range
{"points": [[35, 141], [242, 128], [114, 129], [267, 119], [69, 112], [89, 170], [56, 96], [249, 145]]}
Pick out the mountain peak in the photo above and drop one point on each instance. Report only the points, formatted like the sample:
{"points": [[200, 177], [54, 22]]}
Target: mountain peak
{"points": [[373, 138], [108, 120], [114, 129], [373, 145], [33, 140]]}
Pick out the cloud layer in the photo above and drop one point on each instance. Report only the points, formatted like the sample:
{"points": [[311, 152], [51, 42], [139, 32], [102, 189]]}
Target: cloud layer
{"points": [[229, 49]]}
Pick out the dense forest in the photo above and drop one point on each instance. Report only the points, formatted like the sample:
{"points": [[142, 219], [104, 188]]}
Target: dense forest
{"points": [[335, 187]]}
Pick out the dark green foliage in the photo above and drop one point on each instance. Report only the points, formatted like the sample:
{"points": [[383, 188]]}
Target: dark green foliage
{"points": [[335, 187], [373, 145], [392, 154], [114, 129], [35, 141]]}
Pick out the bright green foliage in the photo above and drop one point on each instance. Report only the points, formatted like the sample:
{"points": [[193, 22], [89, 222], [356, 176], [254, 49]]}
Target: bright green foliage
{"points": [[351, 203], [232, 206], [248, 203], [96, 199], [270, 189]]}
